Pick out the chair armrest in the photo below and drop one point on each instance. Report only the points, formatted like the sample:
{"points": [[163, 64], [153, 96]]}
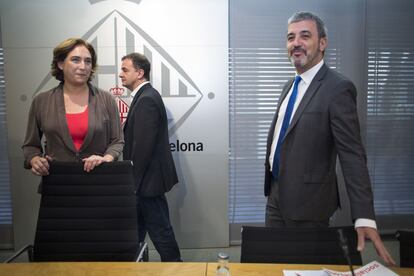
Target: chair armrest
{"points": [[143, 252], [28, 248]]}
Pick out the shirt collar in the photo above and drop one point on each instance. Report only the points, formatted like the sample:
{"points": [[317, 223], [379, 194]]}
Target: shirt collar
{"points": [[308, 76], [135, 91]]}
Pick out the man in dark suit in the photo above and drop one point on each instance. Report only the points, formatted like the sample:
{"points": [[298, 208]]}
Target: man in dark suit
{"points": [[316, 120], [147, 145]]}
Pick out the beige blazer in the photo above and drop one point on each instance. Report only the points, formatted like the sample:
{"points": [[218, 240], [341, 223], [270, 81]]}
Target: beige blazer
{"points": [[47, 119]]}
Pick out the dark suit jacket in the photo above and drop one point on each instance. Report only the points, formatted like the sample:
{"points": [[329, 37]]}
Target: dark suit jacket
{"points": [[147, 143], [324, 126]]}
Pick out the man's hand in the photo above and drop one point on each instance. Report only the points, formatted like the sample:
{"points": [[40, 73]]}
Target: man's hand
{"points": [[40, 165], [372, 234], [95, 160]]}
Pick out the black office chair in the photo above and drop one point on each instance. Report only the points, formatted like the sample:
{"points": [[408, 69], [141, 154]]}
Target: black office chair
{"points": [[406, 239], [87, 216], [297, 245]]}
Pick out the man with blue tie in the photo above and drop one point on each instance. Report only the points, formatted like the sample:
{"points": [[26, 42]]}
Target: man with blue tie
{"points": [[316, 121]]}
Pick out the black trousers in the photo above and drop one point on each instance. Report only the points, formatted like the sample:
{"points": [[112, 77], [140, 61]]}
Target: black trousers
{"points": [[274, 217], [154, 218]]}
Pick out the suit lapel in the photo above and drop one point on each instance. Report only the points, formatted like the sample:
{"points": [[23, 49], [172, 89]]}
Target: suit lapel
{"points": [[284, 93], [134, 101], [61, 118], [275, 117], [92, 112], [312, 89]]}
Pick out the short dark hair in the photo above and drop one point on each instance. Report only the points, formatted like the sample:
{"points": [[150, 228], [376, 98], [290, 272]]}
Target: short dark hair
{"points": [[62, 50], [304, 15], [140, 62]]}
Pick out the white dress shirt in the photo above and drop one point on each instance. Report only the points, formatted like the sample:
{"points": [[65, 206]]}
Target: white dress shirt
{"points": [[307, 78], [138, 88]]}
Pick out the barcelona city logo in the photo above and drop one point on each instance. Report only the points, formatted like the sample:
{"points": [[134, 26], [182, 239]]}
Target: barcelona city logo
{"points": [[114, 36]]}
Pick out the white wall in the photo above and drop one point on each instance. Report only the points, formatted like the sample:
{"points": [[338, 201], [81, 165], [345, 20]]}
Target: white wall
{"points": [[187, 38]]}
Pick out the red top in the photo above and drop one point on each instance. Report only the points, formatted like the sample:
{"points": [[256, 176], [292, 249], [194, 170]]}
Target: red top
{"points": [[78, 127]]}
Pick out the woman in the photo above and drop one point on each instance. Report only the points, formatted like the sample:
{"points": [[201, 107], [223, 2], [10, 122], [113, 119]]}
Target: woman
{"points": [[79, 121]]}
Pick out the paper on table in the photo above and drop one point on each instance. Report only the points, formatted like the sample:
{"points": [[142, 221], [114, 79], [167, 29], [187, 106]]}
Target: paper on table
{"points": [[374, 268], [305, 273]]}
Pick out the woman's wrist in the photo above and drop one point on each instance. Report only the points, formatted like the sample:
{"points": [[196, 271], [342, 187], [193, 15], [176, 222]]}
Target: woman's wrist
{"points": [[108, 158]]}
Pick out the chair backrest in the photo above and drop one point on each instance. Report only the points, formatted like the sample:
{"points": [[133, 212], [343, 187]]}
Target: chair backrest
{"points": [[297, 245], [87, 216], [406, 239]]}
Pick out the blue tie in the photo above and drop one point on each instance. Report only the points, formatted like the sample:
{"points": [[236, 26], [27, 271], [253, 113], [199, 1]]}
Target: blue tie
{"points": [[285, 125]]}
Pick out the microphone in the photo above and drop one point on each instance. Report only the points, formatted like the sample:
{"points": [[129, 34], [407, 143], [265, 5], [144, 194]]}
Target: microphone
{"points": [[343, 242]]}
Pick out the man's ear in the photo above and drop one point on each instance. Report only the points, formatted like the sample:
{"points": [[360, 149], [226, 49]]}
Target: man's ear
{"points": [[323, 43], [141, 73]]}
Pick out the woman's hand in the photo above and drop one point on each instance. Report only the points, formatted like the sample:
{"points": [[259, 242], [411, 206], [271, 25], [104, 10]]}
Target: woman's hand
{"points": [[95, 160], [40, 165]]}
